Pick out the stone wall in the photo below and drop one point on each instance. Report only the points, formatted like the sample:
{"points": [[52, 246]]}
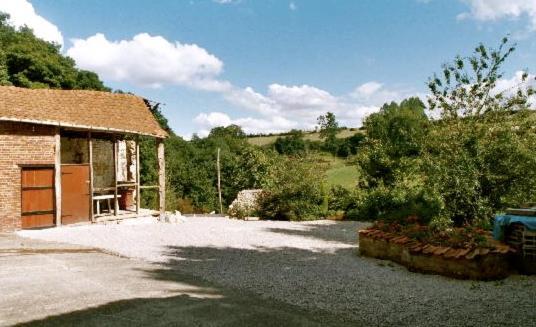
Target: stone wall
{"points": [[20, 144]]}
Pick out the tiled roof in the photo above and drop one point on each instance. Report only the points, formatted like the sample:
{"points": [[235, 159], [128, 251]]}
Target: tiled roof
{"points": [[92, 110]]}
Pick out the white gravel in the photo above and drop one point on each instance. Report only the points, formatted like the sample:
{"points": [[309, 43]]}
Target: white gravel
{"points": [[314, 265]]}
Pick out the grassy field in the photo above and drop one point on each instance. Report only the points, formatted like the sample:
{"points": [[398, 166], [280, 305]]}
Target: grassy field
{"points": [[312, 136], [339, 171], [345, 176]]}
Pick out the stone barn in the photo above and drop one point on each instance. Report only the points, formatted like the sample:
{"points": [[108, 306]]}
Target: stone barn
{"points": [[73, 156]]}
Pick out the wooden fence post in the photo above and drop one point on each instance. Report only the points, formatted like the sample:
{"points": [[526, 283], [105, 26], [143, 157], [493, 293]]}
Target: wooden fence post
{"points": [[219, 180], [161, 179]]}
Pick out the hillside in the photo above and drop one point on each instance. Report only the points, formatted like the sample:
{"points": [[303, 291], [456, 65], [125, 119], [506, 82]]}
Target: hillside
{"points": [[311, 136]]}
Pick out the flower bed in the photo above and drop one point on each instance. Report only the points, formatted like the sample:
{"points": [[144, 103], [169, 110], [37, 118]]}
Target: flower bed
{"points": [[460, 253]]}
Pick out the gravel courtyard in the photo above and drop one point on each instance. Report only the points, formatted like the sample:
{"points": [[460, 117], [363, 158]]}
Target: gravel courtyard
{"points": [[314, 265]]}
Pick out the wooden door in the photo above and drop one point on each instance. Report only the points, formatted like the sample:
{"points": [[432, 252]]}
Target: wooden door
{"points": [[74, 194], [37, 197]]}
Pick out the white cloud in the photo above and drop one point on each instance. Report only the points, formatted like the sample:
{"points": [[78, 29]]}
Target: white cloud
{"points": [[302, 97], [213, 119], [368, 89], [491, 10], [285, 107], [292, 6], [374, 93], [22, 13], [225, 2], [511, 85], [149, 61], [250, 125], [249, 99]]}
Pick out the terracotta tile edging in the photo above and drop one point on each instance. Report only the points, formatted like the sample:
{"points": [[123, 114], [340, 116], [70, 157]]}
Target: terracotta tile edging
{"points": [[466, 263]]}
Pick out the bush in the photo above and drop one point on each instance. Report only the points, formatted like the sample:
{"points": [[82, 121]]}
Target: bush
{"points": [[293, 191], [482, 168], [340, 198], [293, 144]]}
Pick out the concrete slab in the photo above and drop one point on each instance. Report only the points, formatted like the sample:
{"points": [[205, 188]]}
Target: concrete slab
{"points": [[46, 283]]}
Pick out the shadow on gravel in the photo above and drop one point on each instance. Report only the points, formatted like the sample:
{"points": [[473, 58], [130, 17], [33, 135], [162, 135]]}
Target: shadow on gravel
{"points": [[356, 290], [340, 232], [209, 305], [185, 311]]}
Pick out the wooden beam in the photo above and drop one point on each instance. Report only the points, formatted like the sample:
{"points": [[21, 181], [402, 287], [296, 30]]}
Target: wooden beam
{"points": [[116, 204], [90, 153], [57, 175], [161, 179], [138, 189]]}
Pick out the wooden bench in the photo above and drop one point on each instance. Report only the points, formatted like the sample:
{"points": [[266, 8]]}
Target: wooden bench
{"points": [[107, 197]]}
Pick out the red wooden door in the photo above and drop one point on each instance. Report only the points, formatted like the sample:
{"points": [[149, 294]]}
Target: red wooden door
{"points": [[37, 197], [74, 194]]}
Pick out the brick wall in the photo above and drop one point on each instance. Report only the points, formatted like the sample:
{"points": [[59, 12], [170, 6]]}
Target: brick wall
{"points": [[20, 144]]}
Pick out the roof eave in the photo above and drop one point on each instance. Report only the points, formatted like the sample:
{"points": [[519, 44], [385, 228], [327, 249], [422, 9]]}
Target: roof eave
{"points": [[84, 127]]}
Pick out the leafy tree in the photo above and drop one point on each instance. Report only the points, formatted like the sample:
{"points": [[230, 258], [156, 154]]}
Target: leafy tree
{"points": [[329, 127], [27, 61], [481, 156], [391, 178], [394, 134], [467, 87], [293, 144]]}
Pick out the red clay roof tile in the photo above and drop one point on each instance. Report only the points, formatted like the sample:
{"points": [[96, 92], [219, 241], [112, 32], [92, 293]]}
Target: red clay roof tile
{"points": [[79, 108]]}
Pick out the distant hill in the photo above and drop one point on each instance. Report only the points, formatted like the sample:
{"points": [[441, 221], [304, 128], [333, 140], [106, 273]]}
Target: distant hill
{"points": [[312, 136]]}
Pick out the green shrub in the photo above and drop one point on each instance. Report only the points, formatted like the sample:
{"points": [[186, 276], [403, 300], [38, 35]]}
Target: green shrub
{"points": [[293, 144], [340, 198], [293, 191]]}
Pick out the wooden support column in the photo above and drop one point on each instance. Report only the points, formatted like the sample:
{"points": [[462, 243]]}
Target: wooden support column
{"points": [[90, 155], [161, 178], [57, 175], [116, 158], [138, 182]]}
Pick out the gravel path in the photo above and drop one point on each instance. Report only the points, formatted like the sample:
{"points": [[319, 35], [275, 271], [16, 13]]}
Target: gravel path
{"points": [[314, 265]]}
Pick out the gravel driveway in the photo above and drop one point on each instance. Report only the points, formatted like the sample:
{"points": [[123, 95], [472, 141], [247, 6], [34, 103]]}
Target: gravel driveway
{"points": [[314, 265]]}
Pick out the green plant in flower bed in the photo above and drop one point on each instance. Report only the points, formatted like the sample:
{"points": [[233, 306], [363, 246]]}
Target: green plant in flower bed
{"points": [[457, 238]]}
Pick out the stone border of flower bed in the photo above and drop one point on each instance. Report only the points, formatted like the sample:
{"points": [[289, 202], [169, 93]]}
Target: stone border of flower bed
{"points": [[488, 263]]}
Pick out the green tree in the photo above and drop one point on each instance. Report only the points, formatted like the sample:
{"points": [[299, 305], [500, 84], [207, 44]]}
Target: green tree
{"points": [[480, 156], [329, 127], [393, 183], [33, 63], [467, 87], [394, 134], [292, 144]]}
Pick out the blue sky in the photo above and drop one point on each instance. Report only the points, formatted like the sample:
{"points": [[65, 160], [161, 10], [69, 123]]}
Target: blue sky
{"points": [[272, 65]]}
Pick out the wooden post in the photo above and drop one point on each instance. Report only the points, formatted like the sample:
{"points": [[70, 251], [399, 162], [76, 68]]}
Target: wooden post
{"points": [[161, 179], [57, 175], [219, 180], [90, 154], [138, 193], [116, 204]]}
